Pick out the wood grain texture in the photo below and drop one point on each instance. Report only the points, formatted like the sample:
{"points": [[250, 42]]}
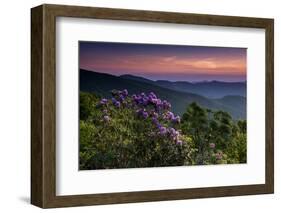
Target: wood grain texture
{"points": [[269, 118], [36, 106], [43, 105]]}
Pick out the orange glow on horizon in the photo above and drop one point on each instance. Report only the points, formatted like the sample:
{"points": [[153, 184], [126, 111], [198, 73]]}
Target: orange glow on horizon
{"points": [[178, 64]]}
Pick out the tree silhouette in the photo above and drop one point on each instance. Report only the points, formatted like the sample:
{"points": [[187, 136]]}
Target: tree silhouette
{"points": [[195, 123], [221, 129]]}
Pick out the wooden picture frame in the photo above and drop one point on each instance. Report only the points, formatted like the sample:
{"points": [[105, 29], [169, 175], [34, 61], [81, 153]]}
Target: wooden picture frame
{"points": [[43, 105]]}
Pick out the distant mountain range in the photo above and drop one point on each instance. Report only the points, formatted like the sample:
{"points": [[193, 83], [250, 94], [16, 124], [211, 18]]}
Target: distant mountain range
{"points": [[215, 95], [209, 89]]}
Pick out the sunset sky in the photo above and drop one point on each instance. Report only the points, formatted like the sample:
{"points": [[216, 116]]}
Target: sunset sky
{"points": [[165, 62]]}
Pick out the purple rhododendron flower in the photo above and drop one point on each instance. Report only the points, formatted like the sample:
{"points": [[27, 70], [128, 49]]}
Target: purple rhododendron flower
{"points": [[142, 113], [154, 114], [219, 155], [150, 98], [121, 98], [172, 131], [152, 95], [155, 121], [169, 116], [103, 101], [145, 114], [177, 119], [138, 99], [106, 118], [158, 125], [125, 92], [117, 104], [145, 101], [212, 145], [162, 130], [153, 100], [158, 101], [158, 108], [174, 134], [166, 105], [179, 142], [147, 106]]}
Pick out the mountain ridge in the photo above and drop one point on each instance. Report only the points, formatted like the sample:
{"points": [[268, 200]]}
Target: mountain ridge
{"points": [[210, 89], [91, 81]]}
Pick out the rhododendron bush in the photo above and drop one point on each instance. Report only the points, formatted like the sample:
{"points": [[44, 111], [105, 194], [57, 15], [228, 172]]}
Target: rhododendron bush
{"points": [[141, 130]]}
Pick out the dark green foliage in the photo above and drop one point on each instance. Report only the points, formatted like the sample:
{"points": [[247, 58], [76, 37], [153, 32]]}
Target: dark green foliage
{"points": [[126, 141], [86, 103], [116, 137], [195, 124], [242, 125], [217, 138]]}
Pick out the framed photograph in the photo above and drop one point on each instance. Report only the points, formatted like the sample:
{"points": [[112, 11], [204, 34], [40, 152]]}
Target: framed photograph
{"points": [[137, 106]]}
